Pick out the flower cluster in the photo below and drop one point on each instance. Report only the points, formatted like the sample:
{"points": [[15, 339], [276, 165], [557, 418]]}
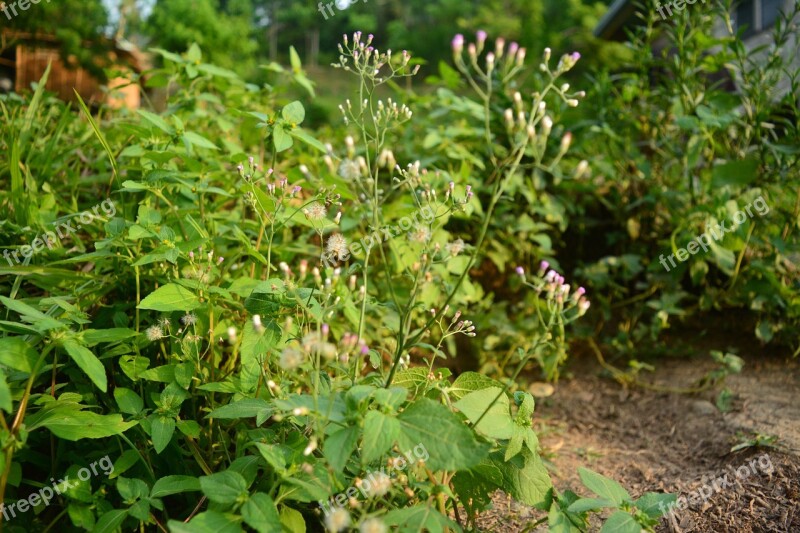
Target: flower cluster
{"points": [[557, 292], [361, 57]]}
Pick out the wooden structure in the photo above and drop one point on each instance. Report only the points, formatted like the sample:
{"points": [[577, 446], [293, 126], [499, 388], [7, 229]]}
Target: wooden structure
{"points": [[25, 57]]}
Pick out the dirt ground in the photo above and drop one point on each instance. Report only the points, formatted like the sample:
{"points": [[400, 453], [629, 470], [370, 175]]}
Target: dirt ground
{"points": [[678, 443]]}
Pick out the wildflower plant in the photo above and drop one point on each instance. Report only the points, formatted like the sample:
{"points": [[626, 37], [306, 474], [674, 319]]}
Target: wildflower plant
{"points": [[258, 366]]}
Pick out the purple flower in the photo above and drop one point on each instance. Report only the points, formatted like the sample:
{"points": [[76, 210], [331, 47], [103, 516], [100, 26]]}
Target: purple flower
{"points": [[576, 56], [543, 266], [458, 43], [520, 271], [481, 37], [581, 291]]}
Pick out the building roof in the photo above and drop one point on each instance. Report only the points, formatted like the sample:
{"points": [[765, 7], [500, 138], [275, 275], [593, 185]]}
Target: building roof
{"points": [[618, 17]]}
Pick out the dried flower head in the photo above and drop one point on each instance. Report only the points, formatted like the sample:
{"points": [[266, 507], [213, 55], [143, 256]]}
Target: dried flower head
{"points": [[454, 248], [290, 359], [373, 525], [154, 333], [337, 246], [338, 520], [350, 169]]}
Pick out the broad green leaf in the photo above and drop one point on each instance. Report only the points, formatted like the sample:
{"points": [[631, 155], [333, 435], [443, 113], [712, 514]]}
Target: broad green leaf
{"points": [[169, 485], [260, 513], [223, 487], [111, 521], [419, 518], [339, 446], [198, 140], [497, 423], [436, 428], [88, 362], [17, 354], [128, 401], [132, 489], [281, 139], [294, 113], [603, 486], [170, 297], [161, 430], [133, 366], [207, 522], [656, 504], [124, 462], [292, 520], [471, 382], [524, 477], [621, 522], [247, 408], [380, 433]]}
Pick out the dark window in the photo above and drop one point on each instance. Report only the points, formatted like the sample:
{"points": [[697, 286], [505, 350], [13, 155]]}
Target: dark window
{"points": [[770, 9], [746, 17]]}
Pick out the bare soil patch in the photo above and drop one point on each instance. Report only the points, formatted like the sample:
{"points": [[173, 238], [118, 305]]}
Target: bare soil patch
{"points": [[678, 443]]}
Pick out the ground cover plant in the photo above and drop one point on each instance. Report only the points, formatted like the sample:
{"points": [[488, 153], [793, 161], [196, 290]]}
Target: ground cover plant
{"points": [[216, 319]]}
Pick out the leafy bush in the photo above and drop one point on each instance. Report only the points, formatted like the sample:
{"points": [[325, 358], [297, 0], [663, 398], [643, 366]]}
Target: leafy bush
{"points": [[219, 345]]}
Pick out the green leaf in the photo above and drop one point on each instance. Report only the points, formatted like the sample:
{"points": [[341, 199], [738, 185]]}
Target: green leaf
{"points": [[77, 425], [497, 423], [170, 297], [5, 393], [380, 433], [418, 518], [156, 121], [603, 486], [247, 408], [260, 513], [40, 321], [736, 173], [294, 60], [524, 477], [17, 354], [471, 382], [110, 522], [128, 401], [281, 139], [92, 337], [161, 430], [194, 54], [198, 140], [132, 489], [621, 522], [590, 504], [207, 522], [294, 113], [133, 366], [655, 504], [339, 446], [88, 362], [436, 428], [223, 487], [169, 485], [293, 520], [304, 136]]}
